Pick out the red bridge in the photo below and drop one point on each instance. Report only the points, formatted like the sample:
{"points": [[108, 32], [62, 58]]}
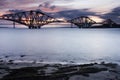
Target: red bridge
{"points": [[36, 19]]}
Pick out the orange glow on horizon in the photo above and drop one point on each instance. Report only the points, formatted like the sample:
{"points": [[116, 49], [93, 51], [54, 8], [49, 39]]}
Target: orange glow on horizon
{"points": [[1, 14], [61, 19], [96, 18]]}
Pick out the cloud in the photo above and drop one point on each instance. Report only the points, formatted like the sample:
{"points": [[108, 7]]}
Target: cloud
{"points": [[59, 8], [3, 3], [19, 4], [52, 7], [47, 5], [70, 14], [25, 1], [15, 11], [114, 15]]}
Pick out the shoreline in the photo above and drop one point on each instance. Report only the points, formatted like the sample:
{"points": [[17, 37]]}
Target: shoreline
{"points": [[46, 71]]}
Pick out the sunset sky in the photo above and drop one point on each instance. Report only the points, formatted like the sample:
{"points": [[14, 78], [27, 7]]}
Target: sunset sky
{"points": [[96, 9]]}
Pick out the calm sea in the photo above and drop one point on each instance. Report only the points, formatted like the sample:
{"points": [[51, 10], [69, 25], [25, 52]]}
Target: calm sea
{"points": [[72, 45]]}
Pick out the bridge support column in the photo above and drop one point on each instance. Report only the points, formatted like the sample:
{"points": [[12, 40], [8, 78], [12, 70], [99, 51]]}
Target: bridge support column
{"points": [[34, 27], [71, 25], [39, 27], [30, 27], [13, 24]]}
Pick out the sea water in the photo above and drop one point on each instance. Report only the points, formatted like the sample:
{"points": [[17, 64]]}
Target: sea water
{"points": [[60, 45]]}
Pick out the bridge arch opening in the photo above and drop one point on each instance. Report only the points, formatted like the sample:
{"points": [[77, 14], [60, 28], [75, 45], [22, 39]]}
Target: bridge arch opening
{"points": [[10, 24], [57, 25]]}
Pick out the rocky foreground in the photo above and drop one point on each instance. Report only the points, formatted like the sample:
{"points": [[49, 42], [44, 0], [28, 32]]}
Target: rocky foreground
{"points": [[40, 71]]}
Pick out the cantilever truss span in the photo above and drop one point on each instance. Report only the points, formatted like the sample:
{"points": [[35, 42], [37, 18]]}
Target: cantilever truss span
{"points": [[32, 19], [82, 21]]}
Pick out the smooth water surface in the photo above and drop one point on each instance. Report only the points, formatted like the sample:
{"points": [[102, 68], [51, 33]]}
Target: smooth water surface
{"points": [[60, 44]]}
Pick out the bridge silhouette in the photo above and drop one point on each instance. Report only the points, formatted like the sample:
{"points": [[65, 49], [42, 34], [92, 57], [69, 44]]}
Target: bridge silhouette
{"points": [[36, 19]]}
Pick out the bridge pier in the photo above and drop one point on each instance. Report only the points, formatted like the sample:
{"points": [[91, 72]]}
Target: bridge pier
{"points": [[71, 25], [85, 25], [30, 27], [34, 27], [39, 27], [13, 24]]}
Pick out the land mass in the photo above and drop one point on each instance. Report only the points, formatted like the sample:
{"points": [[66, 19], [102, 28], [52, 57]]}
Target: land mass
{"points": [[40, 71]]}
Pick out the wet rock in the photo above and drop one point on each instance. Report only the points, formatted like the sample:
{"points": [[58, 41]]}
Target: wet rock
{"points": [[22, 55]]}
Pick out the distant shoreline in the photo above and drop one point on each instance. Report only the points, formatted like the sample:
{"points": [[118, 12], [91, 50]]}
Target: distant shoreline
{"points": [[93, 27]]}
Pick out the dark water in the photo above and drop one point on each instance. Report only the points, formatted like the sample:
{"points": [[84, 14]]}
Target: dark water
{"points": [[60, 45]]}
